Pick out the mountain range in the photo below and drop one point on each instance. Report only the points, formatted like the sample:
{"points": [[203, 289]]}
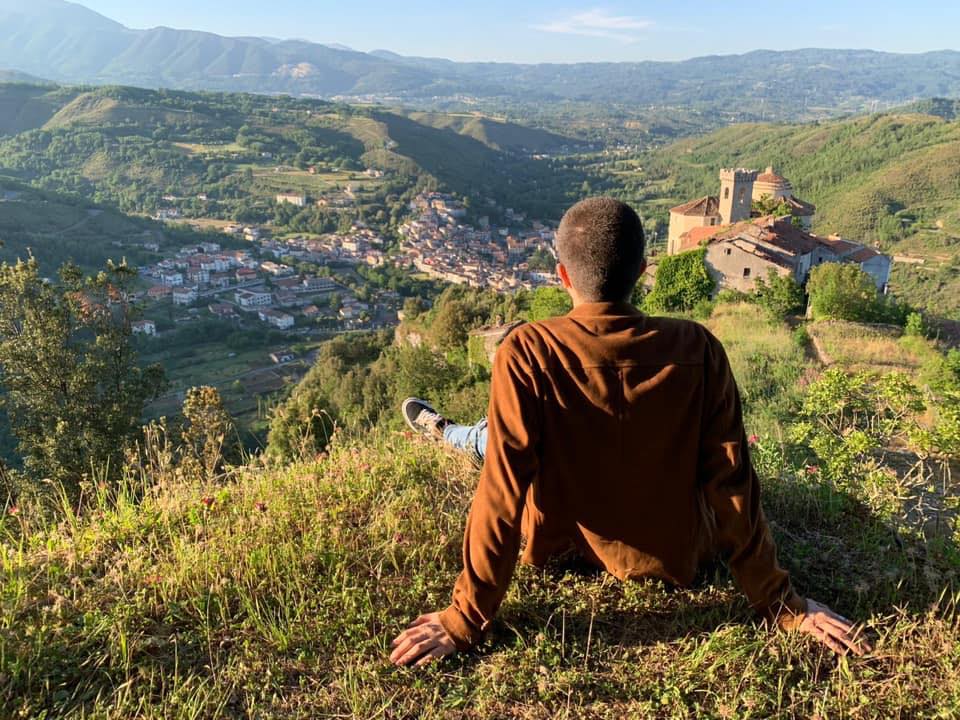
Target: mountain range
{"points": [[67, 42]]}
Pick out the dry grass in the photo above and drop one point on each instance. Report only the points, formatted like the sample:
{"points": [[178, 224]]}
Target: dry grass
{"points": [[864, 347]]}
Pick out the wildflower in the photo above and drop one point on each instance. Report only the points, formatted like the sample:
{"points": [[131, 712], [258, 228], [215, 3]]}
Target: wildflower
{"points": [[813, 469], [399, 539], [753, 440], [365, 467], [13, 510], [152, 579], [208, 500], [260, 505]]}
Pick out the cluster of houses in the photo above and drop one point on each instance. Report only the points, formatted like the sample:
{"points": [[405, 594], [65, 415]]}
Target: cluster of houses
{"points": [[744, 241], [438, 242], [359, 246], [237, 283], [196, 269]]}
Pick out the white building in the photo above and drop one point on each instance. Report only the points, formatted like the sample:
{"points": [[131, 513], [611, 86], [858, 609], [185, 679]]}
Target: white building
{"points": [[278, 319], [292, 199], [185, 295], [171, 279], [276, 269], [144, 327], [250, 298]]}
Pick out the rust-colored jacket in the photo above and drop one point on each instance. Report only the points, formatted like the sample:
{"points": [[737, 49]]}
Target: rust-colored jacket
{"points": [[621, 434]]}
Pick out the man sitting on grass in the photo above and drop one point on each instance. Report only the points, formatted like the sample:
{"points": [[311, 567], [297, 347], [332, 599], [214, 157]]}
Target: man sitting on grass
{"points": [[617, 435]]}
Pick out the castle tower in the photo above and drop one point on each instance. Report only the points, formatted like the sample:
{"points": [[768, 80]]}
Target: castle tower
{"points": [[736, 194]]}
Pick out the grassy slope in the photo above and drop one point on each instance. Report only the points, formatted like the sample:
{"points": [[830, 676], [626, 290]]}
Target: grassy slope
{"points": [[24, 107], [55, 229], [493, 133], [284, 609]]}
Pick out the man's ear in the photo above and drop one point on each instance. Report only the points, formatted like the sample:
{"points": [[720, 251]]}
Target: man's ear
{"points": [[564, 276]]}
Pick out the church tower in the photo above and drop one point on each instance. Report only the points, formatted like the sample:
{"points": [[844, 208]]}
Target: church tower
{"points": [[736, 194]]}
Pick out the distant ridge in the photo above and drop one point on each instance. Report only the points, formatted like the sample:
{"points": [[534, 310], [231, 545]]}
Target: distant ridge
{"points": [[67, 42], [15, 76]]}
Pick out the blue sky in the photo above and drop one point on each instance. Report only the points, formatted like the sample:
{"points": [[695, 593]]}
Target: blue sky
{"points": [[547, 31]]}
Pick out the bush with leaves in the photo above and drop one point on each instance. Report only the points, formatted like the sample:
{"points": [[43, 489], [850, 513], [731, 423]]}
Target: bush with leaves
{"points": [[548, 302], [849, 420], [842, 291], [779, 295], [682, 281], [74, 389]]}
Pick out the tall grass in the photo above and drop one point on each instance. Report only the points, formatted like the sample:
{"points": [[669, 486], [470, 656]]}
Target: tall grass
{"points": [[273, 592]]}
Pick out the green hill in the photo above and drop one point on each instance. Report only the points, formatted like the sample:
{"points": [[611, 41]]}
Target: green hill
{"points": [[132, 146], [496, 134], [891, 179], [57, 229], [857, 171], [25, 106], [69, 43]]}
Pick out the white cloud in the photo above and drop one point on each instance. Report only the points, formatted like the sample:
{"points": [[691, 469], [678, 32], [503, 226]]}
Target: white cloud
{"points": [[598, 23]]}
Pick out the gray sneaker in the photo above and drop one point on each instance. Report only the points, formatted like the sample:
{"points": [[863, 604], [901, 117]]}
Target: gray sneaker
{"points": [[421, 417]]}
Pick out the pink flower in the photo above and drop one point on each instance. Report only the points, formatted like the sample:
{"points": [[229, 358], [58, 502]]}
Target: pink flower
{"points": [[813, 469], [13, 510], [753, 440], [365, 467], [260, 505], [208, 500]]}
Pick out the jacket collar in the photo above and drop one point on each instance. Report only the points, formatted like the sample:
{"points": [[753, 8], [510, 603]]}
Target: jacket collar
{"points": [[599, 309]]}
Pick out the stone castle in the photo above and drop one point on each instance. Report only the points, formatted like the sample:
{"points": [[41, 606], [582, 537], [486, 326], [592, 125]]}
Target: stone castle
{"points": [[739, 189], [743, 244]]}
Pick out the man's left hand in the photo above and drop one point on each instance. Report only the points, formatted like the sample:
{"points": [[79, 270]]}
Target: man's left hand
{"points": [[423, 642]]}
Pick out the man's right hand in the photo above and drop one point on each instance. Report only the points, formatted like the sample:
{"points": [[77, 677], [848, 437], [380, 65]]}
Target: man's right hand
{"points": [[833, 630]]}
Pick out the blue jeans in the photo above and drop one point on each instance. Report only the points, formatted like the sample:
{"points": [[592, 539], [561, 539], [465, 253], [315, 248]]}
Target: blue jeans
{"points": [[472, 439]]}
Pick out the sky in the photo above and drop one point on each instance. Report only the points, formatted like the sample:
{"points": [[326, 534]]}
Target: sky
{"points": [[548, 31]]}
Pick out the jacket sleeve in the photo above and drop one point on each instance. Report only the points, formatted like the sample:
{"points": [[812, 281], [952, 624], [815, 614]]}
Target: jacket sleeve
{"points": [[732, 494], [492, 538]]}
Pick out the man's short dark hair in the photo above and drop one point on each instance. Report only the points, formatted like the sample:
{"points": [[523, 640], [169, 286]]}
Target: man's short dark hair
{"points": [[600, 242]]}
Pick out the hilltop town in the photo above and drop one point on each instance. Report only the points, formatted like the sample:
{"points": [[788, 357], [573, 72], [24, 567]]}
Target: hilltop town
{"points": [[756, 226], [440, 244]]}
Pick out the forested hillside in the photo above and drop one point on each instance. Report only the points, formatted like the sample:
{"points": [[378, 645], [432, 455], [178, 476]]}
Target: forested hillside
{"points": [[130, 147]]}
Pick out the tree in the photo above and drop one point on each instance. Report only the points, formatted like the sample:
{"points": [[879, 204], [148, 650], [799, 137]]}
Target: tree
{"points": [[840, 291], [681, 283], [549, 302], [779, 295], [74, 390], [452, 324]]}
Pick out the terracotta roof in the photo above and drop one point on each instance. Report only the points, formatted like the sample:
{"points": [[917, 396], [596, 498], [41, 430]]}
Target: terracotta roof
{"points": [[763, 253], [799, 207], [839, 246], [782, 234], [701, 207], [769, 176], [863, 254]]}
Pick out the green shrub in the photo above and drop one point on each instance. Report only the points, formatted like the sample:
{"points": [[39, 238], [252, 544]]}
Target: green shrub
{"points": [[682, 281], [779, 295], [840, 291], [915, 325]]}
